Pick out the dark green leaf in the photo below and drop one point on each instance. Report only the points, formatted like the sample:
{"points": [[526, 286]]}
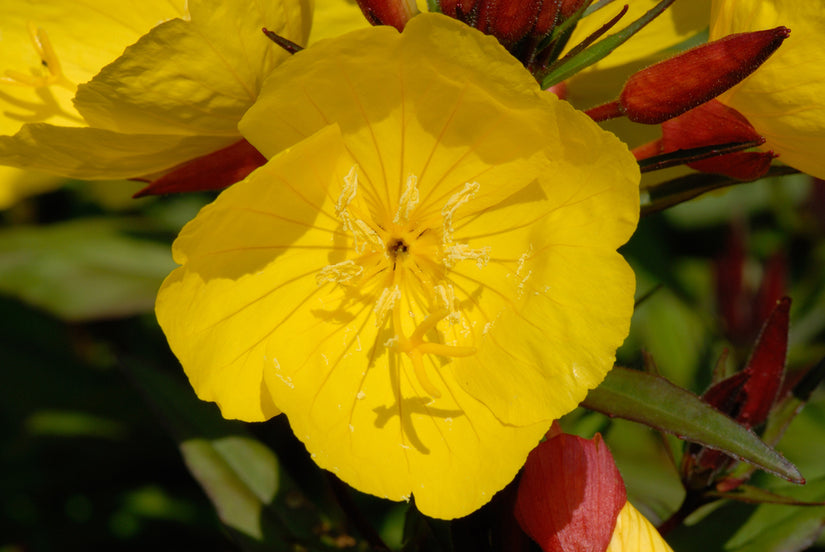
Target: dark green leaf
{"points": [[654, 401]]}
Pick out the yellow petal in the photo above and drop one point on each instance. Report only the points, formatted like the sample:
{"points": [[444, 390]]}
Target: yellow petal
{"points": [[678, 23], [196, 76], [177, 94], [634, 533], [362, 278], [335, 17], [81, 36], [242, 256], [92, 153], [783, 98]]}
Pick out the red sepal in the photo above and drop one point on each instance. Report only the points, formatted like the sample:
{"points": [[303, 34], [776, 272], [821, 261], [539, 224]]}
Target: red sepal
{"points": [[715, 123], [766, 367], [508, 20], [671, 87], [213, 171], [386, 12], [570, 495]]}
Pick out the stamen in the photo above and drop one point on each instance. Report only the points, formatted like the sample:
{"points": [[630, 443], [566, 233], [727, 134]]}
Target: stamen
{"points": [[408, 202], [456, 200], [385, 303], [462, 251], [339, 273], [48, 58], [348, 191], [363, 234], [445, 297]]}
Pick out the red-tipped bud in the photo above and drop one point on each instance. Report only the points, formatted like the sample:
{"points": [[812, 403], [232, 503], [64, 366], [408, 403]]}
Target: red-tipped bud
{"points": [[714, 123], [213, 171], [509, 21], [570, 494], [766, 367], [518, 24], [388, 12], [673, 86]]}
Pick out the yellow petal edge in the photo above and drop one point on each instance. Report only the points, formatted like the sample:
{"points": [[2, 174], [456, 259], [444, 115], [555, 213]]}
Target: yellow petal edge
{"points": [[634, 533]]}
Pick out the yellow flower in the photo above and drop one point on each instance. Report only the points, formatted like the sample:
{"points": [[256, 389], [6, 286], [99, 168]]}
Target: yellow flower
{"points": [[634, 533], [176, 94], [49, 48], [425, 278], [783, 99]]}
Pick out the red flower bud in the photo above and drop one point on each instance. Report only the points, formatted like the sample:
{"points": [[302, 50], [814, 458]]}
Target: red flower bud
{"points": [[213, 171], [510, 21], [570, 494], [673, 86], [463, 10], [518, 24], [388, 12], [569, 7], [710, 124]]}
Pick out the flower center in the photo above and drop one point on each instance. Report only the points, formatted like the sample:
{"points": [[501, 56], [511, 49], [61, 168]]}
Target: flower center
{"points": [[48, 59], [397, 250], [406, 258]]}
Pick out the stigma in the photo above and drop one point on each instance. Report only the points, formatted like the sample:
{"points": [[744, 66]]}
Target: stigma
{"points": [[48, 60]]}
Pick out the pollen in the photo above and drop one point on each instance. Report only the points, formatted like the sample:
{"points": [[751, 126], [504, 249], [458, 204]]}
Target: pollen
{"points": [[406, 258]]}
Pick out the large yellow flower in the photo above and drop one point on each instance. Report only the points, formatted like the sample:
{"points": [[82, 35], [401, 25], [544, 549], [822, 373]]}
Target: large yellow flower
{"points": [[176, 94], [783, 99], [425, 278]]}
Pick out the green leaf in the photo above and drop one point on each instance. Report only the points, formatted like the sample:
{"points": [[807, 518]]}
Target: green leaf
{"points": [[654, 401], [778, 527], [82, 270], [239, 474], [741, 527], [755, 495], [567, 67]]}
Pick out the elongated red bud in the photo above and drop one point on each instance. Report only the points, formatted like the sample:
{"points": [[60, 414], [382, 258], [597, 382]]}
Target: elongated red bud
{"points": [[388, 12], [213, 171], [673, 86]]}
